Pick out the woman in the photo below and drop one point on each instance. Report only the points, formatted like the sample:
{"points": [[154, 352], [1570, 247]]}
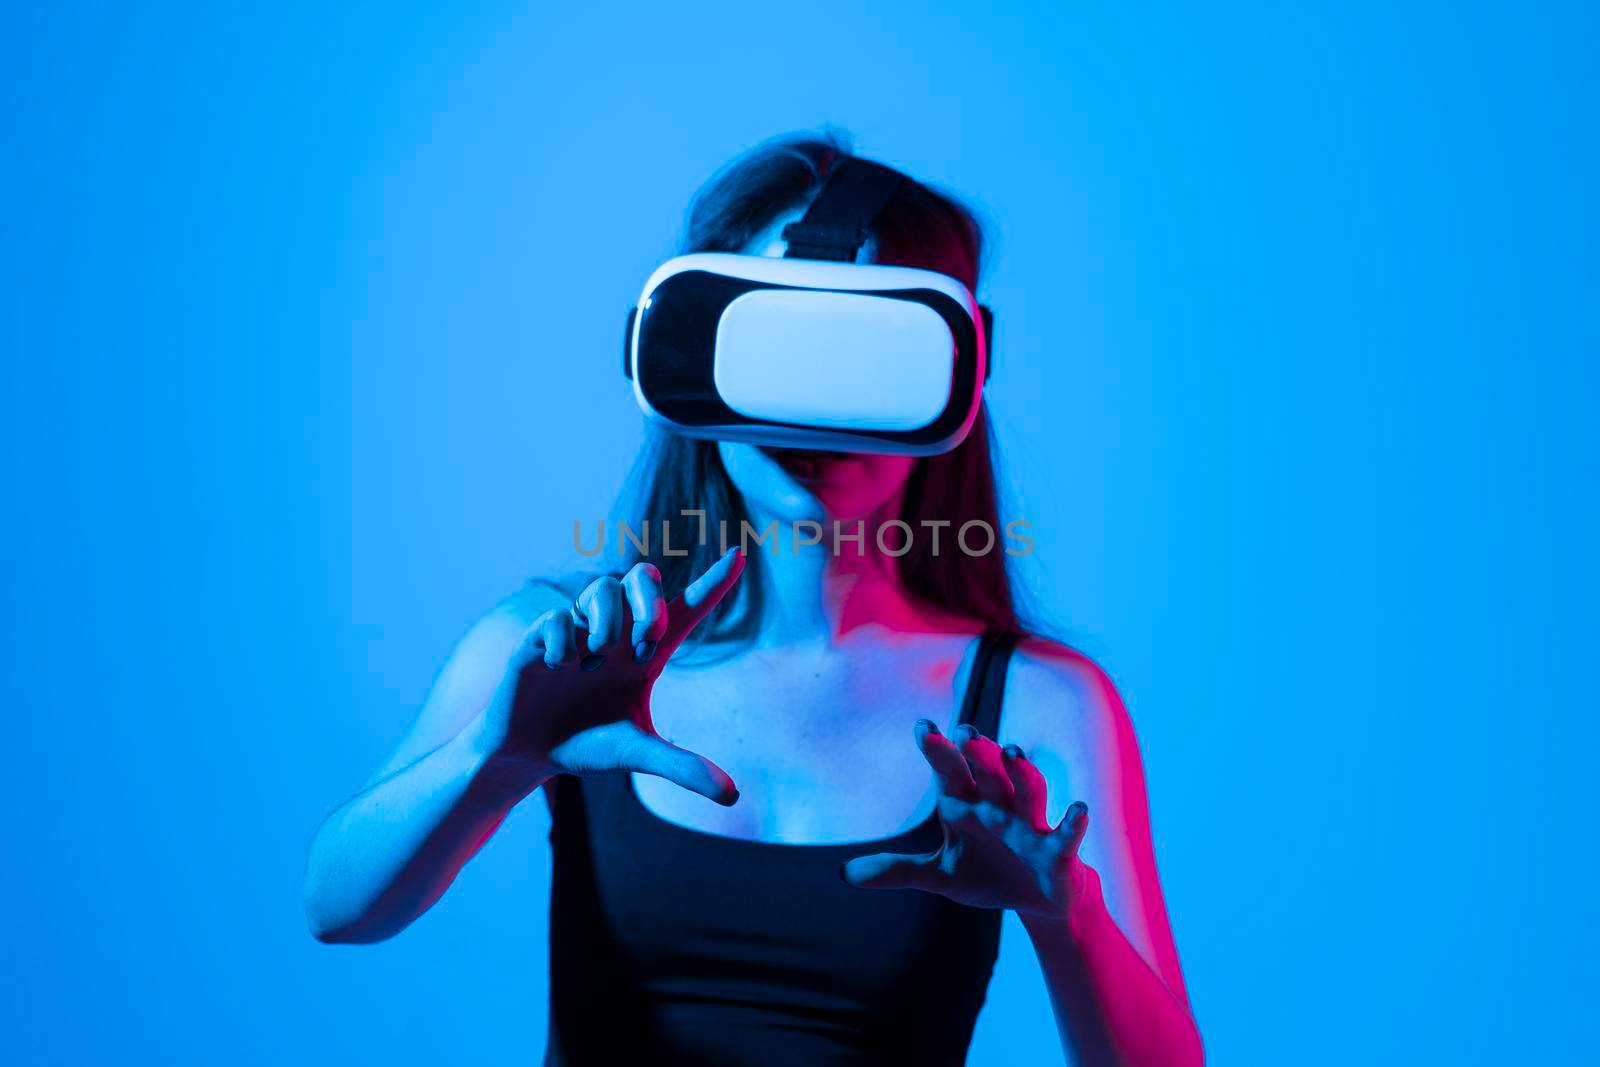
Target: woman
{"points": [[845, 908]]}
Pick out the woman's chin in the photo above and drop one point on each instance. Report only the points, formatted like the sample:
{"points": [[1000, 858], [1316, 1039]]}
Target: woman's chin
{"points": [[815, 486], [765, 484], [842, 483]]}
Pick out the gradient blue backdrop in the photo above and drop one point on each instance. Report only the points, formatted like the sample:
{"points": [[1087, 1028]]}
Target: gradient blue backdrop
{"points": [[1296, 366]]}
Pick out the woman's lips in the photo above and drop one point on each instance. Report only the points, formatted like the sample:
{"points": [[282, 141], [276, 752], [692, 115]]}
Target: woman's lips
{"points": [[808, 464]]}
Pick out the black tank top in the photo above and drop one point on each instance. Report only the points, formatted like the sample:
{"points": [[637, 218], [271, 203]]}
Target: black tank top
{"points": [[673, 946]]}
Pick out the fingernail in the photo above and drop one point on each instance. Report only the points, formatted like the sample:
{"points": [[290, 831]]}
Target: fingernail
{"points": [[729, 800], [967, 731], [592, 662], [1014, 751], [1079, 809], [643, 651], [928, 725]]}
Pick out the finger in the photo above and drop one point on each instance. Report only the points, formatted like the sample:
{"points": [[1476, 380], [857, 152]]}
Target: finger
{"points": [[1075, 823], [889, 870], [949, 766], [1029, 787], [603, 611], [642, 587], [703, 594], [983, 756], [531, 648], [660, 757], [557, 638]]}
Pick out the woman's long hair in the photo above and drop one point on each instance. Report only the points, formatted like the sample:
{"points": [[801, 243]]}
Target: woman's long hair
{"points": [[918, 228]]}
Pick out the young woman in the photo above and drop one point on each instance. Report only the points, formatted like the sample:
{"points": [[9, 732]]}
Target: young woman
{"points": [[841, 904]]}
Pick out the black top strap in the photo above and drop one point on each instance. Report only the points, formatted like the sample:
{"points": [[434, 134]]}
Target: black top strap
{"points": [[835, 225], [986, 684]]}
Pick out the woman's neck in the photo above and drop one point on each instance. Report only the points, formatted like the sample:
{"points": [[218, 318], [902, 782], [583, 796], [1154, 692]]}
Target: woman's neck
{"points": [[820, 593]]}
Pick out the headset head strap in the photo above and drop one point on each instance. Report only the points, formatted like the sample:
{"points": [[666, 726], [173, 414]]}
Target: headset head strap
{"points": [[836, 224]]}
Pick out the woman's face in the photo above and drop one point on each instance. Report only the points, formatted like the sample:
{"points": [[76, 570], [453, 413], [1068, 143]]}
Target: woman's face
{"points": [[796, 484]]}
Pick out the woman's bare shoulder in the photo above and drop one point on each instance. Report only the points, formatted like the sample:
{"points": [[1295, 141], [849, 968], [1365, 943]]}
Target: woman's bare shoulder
{"points": [[538, 595], [472, 671], [500, 628], [1058, 698]]}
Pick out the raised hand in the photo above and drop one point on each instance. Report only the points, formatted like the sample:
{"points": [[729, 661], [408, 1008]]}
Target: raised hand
{"points": [[576, 697], [999, 851]]}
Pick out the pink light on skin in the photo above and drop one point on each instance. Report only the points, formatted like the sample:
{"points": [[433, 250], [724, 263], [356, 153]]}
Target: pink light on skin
{"points": [[857, 587], [490, 737], [1117, 990]]}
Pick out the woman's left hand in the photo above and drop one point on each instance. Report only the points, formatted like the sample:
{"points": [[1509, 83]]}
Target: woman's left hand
{"points": [[999, 851]]}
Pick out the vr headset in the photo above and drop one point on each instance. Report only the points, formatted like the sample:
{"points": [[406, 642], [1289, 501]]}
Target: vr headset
{"points": [[812, 351]]}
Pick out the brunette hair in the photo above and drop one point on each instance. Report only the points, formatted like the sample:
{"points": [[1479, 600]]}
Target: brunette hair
{"points": [[919, 227]]}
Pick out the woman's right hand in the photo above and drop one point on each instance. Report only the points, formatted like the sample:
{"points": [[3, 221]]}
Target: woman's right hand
{"points": [[576, 696]]}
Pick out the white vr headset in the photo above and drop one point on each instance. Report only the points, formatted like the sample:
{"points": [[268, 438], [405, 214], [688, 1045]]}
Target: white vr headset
{"points": [[812, 350]]}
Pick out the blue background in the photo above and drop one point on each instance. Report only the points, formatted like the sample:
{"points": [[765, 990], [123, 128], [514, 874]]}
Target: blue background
{"points": [[1296, 365]]}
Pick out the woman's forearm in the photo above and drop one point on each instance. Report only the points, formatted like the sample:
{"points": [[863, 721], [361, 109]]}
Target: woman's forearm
{"points": [[384, 856], [1112, 1008]]}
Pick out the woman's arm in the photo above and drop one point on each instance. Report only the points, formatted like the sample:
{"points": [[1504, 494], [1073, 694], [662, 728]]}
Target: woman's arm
{"points": [[528, 694], [1108, 959], [1110, 1005], [1080, 875], [384, 856]]}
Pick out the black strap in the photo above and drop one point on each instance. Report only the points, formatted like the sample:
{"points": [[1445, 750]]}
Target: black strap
{"points": [[835, 226], [986, 684]]}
